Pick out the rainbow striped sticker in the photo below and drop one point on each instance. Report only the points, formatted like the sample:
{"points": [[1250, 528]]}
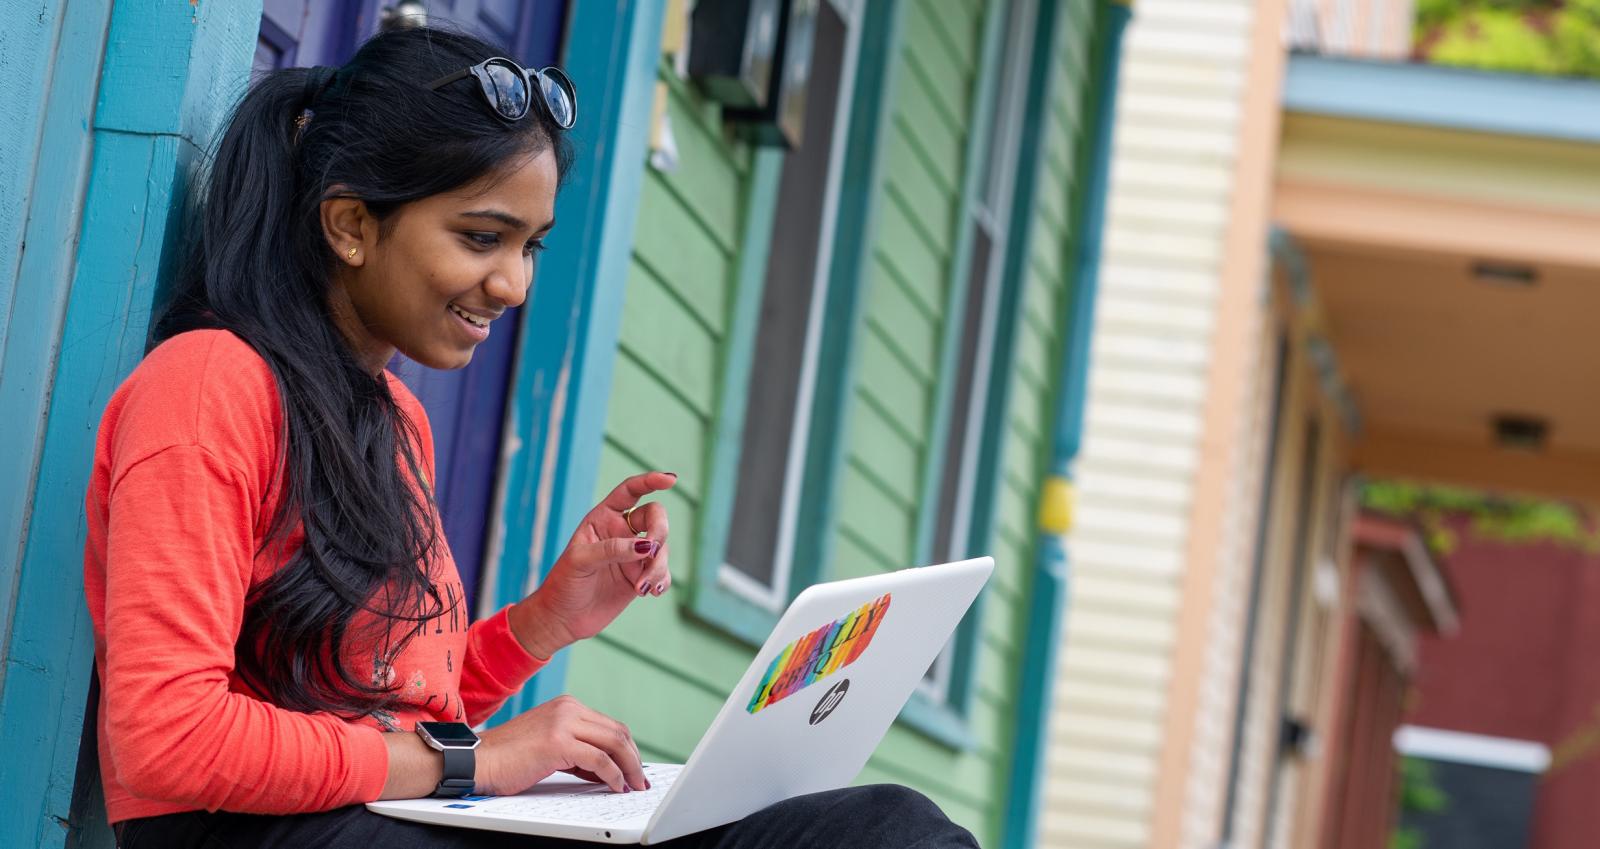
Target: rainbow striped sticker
{"points": [[819, 654]]}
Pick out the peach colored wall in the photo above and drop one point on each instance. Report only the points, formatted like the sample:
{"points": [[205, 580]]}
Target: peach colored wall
{"points": [[1238, 305]]}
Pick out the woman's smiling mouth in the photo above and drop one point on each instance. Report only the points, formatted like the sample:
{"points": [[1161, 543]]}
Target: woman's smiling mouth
{"points": [[470, 318]]}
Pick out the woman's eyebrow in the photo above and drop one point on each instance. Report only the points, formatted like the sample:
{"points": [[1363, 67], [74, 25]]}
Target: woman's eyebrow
{"points": [[505, 218]]}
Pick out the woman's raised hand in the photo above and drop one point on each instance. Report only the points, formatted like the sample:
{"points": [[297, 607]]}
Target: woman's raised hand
{"points": [[561, 735], [604, 567]]}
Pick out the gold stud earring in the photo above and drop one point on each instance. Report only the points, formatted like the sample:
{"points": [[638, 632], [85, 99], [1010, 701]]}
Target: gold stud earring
{"points": [[351, 254]]}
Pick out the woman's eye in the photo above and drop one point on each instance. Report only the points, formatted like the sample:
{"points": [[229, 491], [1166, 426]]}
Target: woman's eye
{"points": [[484, 240], [533, 247]]}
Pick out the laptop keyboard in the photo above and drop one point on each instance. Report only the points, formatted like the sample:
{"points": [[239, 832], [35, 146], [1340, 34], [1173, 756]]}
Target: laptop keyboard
{"points": [[590, 802]]}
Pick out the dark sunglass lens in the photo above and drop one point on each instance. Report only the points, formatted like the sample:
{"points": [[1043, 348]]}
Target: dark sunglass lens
{"points": [[506, 90], [558, 98]]}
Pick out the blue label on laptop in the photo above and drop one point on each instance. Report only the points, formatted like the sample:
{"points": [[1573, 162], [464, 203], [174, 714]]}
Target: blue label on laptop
{"points": [[458, 805], [476, 798]]}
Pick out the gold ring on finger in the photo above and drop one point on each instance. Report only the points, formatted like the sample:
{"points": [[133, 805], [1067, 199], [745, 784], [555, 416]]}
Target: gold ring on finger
{"points": [[627, 519]]}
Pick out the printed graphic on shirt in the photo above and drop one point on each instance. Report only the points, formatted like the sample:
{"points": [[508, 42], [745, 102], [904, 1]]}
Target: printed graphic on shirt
{"points": [[819, 654], [452, 617], [414, 689]]}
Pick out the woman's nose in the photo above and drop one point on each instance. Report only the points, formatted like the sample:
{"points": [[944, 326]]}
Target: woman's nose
{"points": [[509, 282]]}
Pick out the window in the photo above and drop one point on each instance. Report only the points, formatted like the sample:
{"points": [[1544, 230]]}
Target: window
{"points": [[746, 569], [986, 220], [758, 561], [952, 526]]}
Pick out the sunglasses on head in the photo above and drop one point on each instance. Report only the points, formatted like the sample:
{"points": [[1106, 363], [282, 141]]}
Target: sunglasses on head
{"points": [[507, 87]]}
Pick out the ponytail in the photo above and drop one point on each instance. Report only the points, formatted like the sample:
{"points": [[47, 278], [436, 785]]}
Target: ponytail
{"points": [[260, 267]]}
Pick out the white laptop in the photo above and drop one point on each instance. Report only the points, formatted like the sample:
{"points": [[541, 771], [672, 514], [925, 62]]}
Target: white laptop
{"points": [[811, 708]]}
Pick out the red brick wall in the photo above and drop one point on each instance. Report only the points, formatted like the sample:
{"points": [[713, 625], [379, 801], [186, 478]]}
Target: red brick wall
{"points": [[1526, 665]]}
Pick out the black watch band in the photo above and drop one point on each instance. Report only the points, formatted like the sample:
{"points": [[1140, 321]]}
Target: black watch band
{"points": [[460, 765]]}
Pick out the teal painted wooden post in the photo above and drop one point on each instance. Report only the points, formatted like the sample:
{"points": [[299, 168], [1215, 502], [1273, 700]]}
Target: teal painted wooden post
{"points": [[1048, 599], [169, 70], [43, 181], [557, 407]]}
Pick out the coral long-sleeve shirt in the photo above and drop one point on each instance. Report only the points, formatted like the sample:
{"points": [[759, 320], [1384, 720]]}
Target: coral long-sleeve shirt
{"points": [[178, 503]]}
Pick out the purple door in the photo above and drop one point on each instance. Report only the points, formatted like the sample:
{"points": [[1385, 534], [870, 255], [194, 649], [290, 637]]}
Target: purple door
{"points": [[466, 407]]}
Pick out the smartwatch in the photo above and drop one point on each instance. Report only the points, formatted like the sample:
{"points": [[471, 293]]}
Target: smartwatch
{"points": [[455, 740]]}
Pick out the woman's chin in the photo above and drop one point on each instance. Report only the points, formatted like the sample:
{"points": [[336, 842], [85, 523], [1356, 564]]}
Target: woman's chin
{"points": [[443, 359]]}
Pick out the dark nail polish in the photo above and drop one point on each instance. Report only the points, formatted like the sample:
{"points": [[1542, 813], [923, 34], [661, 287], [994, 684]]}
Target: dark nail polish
{"points": [[644, 587], [661, 588], [644, 546], [655, 548]]}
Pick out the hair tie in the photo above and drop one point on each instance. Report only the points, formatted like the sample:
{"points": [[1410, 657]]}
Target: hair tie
{"points": [[317, 79]]}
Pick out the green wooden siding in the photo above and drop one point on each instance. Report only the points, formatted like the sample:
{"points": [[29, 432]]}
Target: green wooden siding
{"points": [[659, 668], [970, 785], [664, 675], [892, 422], [654, 667]]}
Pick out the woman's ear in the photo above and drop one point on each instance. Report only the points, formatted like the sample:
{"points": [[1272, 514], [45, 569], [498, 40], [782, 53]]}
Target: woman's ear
{"points": [[349, 228]]}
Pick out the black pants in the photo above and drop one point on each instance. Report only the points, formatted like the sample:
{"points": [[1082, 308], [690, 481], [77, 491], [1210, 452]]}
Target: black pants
{"points": [[880, 816]]}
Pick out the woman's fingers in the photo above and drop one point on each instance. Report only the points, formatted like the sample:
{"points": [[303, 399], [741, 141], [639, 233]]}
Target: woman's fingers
{"points": [[562, 735], [657, 577], [642, 561], [651, 520], [623, 550], [631, 490], [597, 762], [616, 741]]}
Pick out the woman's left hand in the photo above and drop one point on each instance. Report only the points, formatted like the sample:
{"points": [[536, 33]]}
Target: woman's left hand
{"points": [[604, 567]]}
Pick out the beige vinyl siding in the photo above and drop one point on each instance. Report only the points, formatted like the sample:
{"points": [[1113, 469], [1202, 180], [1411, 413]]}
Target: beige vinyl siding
{"points": [[1177, 136]]}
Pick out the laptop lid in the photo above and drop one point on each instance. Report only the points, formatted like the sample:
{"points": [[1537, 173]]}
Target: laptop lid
{"points": [[821, 693]]}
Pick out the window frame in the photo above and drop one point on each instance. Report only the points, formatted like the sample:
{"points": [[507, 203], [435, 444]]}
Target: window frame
{"points": [[943, 709], [720, 594], [837, 310]]}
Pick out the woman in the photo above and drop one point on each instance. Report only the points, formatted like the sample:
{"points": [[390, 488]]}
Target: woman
{"points": [[275, 608]]}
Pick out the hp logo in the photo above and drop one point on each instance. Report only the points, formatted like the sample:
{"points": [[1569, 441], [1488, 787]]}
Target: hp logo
{"points": [[830, 700]]}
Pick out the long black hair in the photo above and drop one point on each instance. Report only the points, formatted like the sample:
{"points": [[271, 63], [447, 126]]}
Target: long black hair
{"points": [[260, 266]]}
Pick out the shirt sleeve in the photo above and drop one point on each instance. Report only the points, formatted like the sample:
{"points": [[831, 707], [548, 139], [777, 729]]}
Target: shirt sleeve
{"points": [[496, 666], [178, 568]]}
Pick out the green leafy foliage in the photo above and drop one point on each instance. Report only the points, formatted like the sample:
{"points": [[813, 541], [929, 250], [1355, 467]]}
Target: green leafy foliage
{"points": [[1552, 37], [1419, 793], [1438, 509]]}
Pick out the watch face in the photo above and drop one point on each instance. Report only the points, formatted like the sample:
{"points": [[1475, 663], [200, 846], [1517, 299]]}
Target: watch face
{"points": [[449, 733]]}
